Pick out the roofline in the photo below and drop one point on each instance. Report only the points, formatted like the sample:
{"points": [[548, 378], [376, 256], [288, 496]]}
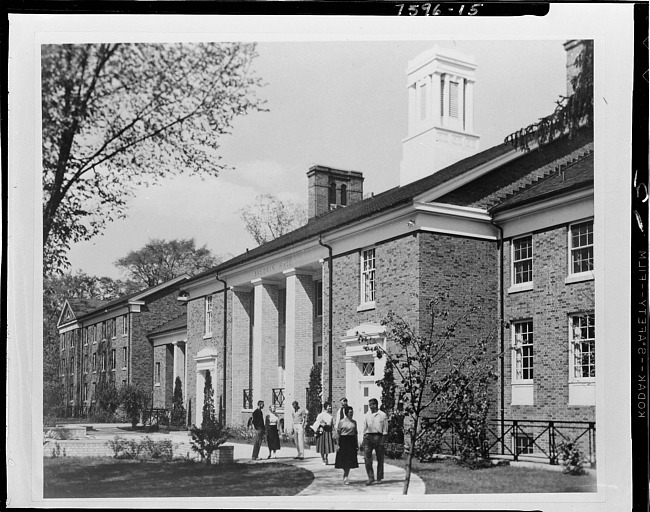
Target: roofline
{"points": [[543, 201], [135, 299]]}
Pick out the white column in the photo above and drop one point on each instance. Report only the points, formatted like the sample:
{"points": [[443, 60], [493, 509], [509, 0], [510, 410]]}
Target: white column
{"points": [[298, 335], [469, 106], [265, 340], [412, 109], [436, 91]]}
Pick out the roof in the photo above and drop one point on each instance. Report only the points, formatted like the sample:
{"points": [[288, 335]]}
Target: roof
{"points": [[173, 325], [139, 295], [398, 196], [573, 177], [80, 307]]}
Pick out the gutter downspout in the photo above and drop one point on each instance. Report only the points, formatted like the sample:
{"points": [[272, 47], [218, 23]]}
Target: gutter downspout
{"points": [[225, 343], [330, 265], [502, 334]]}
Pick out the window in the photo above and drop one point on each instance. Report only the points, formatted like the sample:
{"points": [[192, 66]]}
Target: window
{"points": [[344, 195], [453, 99], [113, 360], [72, 364], [85, 363], [332, 193], [73, 335], [581, 247], [522, 260], [111, 325], [318, 285], [103, 330], [523, 348], [157, 382], [94, 362], [583, 336], [63, 366], [124, 357], [368, 276], [104, 361], [208, 315], [523, 444], [94, 390], [368, 369], [84, 335], [62, 341], [85, 393], [318, 353], [125, 325]]}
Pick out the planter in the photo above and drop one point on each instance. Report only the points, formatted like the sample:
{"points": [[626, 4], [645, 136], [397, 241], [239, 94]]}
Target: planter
{"points": [[223, 455]]}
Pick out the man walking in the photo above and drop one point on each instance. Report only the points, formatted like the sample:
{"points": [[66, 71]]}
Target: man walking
{"points": [[258, 425], [298, 420], [375, 427]]}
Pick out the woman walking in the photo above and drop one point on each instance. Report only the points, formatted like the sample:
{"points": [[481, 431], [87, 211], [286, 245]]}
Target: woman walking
{"points": [[348, 445], [272, 436], [325, 441]]}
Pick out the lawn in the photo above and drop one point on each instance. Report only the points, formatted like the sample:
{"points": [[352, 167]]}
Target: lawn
{"points": [[447, 477], [78, 477]]}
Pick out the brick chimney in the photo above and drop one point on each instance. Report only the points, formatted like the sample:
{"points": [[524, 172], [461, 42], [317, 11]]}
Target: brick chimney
{"points": [[332, 188]]}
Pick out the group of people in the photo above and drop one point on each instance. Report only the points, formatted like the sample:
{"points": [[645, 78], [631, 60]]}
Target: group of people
{"points": [[334, 434]]}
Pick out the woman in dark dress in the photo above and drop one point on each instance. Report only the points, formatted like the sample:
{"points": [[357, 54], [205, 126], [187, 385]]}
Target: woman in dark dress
{"points": [[346, 435], [272, 436]]}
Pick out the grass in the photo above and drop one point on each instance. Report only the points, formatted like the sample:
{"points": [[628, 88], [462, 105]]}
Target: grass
{"points": [[79, 477], [447, 477]]}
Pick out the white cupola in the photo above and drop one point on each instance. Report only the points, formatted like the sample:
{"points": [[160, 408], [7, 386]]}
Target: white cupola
{"points": [[440, 84]]}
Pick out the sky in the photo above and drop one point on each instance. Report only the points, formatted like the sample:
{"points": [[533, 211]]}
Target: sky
{"points": [[339, 104]]}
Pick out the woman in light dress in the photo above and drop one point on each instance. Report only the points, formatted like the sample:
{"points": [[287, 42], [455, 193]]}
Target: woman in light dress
{"points": [[272, 435], [348, 445], [325, 424]]}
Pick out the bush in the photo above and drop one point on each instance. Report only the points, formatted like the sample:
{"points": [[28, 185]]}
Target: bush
{"points": [[101, 416], [394, 450], [572, 457], [429, 442], [207, 438], [133, 399], [158, 449], [107, 396], [144, 449]]}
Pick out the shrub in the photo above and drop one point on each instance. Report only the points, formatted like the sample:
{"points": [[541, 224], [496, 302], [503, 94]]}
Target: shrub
{"points": [[178, 411], [314, 406], [394, 450], [133, 399], [101, 416], [117, 445], [207, 438], [157, 449], [572, 457], [144, 449], [107, 396], [429, 442]]}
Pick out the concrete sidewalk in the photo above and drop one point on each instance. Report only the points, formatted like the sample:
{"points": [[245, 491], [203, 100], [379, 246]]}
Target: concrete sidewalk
{"points": [[328, 481]]}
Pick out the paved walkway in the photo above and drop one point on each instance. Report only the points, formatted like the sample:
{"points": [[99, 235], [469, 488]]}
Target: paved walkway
{"points": [[327, 479]]}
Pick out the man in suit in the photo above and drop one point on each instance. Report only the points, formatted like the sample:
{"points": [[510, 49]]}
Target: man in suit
{"points": [[258, 425]]}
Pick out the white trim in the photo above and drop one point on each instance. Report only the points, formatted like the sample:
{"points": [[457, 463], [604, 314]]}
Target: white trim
{"points": [[521, 287], [526, 285], [366, 306], [514, 350], [469, 176], [580, 277], [534, 208]]}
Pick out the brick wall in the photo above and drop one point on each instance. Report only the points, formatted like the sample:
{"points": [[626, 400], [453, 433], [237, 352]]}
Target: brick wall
{"points": [[549, 305], [159, 309]]}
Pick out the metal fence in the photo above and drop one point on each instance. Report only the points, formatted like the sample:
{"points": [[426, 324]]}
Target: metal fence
{"points": [[277, 397], [520, 439]]}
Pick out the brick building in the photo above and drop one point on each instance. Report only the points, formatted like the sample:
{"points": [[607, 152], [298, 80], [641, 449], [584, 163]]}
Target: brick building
{"points": [[506, 230], [108, 340]]}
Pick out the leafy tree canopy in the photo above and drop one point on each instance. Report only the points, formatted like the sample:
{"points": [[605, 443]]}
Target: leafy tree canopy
{"points": [[161, 260], [269, 217], [117, 116], [571, 112]]}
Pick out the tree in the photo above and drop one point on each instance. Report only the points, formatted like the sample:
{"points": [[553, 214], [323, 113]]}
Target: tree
{"points": [[117, 116], [178, 411], [571, 112], [313, 405], [161, 260], [212, 433], [435, 375], [134, 400], [269, 217]]}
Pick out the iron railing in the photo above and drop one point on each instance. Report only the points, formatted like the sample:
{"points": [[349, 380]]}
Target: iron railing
{"points": [[277, 397], [248, 399], [519, 439], [155, 416]]}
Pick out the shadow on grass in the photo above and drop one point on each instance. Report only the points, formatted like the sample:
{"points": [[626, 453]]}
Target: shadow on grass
{"points": [[108, 478], [448, 477]]}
